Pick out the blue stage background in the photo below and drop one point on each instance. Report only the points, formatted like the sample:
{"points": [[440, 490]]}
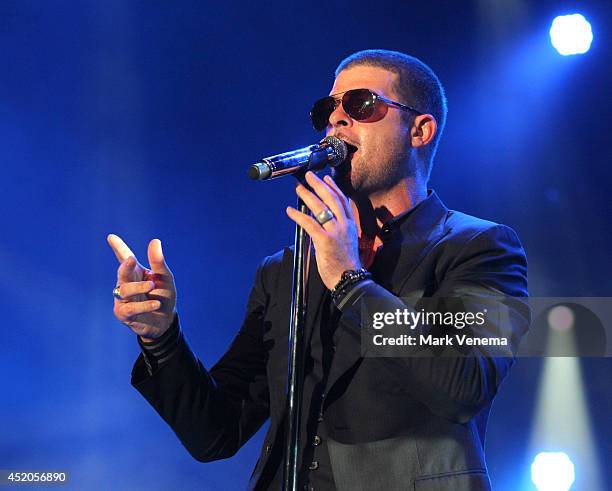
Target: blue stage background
{"points": [[141, 118]]}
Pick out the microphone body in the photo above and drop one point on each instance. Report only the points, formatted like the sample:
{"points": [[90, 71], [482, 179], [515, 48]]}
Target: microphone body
{"points": [[329, 151]]}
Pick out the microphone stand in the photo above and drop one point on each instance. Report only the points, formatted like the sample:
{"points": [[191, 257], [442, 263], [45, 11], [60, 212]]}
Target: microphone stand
{"points": [[330, 151], [295, 382]]}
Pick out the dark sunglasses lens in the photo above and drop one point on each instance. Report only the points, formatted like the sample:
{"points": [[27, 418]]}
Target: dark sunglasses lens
{"points": [[359, 104], [321, 111]]}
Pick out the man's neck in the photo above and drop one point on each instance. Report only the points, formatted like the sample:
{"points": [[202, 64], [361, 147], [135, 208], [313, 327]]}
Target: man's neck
{"points": [[372, 212]]}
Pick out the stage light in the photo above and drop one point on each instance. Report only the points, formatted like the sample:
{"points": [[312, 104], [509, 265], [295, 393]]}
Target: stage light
{"points": [[552, 471], [561, 318], [571, 34]]}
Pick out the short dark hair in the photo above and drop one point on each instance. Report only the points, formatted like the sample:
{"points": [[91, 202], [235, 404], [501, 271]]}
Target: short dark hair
{"points": [[417, 86]]}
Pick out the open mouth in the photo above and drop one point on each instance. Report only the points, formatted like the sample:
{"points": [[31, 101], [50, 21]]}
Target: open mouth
{"points": [[346, 164], [350, 148]]}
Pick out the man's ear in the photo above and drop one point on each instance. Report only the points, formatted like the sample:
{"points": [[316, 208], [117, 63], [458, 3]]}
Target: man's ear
{"points": [[423, 130]]}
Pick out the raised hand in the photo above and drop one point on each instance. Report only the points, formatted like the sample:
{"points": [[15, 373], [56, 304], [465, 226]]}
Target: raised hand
{"points": [[148, 296], [336, 242]]}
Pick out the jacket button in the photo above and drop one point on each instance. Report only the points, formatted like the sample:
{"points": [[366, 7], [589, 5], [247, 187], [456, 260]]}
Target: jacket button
{"points": [[268, 447], [314, 465], [317, 440]]}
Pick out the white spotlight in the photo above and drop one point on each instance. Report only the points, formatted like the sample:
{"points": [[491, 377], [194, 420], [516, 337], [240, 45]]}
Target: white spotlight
{"points": [[552, 471], [571, 34]]}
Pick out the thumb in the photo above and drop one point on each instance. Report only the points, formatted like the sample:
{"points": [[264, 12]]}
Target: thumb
{"points": [[156, 258]]}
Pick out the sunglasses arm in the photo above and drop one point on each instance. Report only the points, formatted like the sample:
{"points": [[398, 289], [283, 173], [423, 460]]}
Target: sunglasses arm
{"points": [[399, 105]]}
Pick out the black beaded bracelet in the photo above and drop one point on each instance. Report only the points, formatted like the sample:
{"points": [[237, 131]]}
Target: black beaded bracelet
{"points": [[347, 280]]}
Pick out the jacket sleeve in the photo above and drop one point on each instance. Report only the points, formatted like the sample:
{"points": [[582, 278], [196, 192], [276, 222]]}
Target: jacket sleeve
{"points": [[214, 412], [491, 265]]}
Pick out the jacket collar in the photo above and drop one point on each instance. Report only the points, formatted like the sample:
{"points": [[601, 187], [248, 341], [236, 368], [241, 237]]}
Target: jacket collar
{"points": [[407, 239], [418, 221]]}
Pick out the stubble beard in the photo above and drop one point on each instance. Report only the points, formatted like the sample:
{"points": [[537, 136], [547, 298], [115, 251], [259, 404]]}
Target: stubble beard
{"points": [[375, 171]]}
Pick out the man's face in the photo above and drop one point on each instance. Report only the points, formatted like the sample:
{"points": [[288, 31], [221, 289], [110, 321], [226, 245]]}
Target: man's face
{"points": [[383, 141]]}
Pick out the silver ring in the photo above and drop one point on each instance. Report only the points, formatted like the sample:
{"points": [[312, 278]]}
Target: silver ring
{"points": [[324, 216], [117, 293]]}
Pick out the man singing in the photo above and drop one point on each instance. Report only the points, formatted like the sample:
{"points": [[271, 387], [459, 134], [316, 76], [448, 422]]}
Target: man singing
{"points": [[368, 423]]}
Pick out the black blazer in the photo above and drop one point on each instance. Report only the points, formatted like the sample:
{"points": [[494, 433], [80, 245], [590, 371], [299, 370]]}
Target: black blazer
{"points": [[393, 423]]}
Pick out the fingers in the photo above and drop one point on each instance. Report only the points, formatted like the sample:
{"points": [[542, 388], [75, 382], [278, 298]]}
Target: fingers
{"points": [[326, 197], [131, 289], [126, 311], [312, 201], [156, 258], [346, 204], [126, 271], [307, 222], [123, 253], [120, 248]]}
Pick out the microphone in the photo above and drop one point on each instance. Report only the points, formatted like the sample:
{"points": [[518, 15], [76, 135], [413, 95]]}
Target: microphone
{"points": [[329, 151]]}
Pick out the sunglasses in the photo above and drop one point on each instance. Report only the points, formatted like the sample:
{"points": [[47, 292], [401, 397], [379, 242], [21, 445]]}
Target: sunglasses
{"points": [[359, 104]]}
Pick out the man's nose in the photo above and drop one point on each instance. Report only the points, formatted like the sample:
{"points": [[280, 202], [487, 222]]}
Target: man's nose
{"points": [[339, 117]]}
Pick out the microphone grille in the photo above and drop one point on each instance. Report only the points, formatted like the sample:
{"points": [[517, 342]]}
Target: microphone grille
{"points": [[339, 149]]}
